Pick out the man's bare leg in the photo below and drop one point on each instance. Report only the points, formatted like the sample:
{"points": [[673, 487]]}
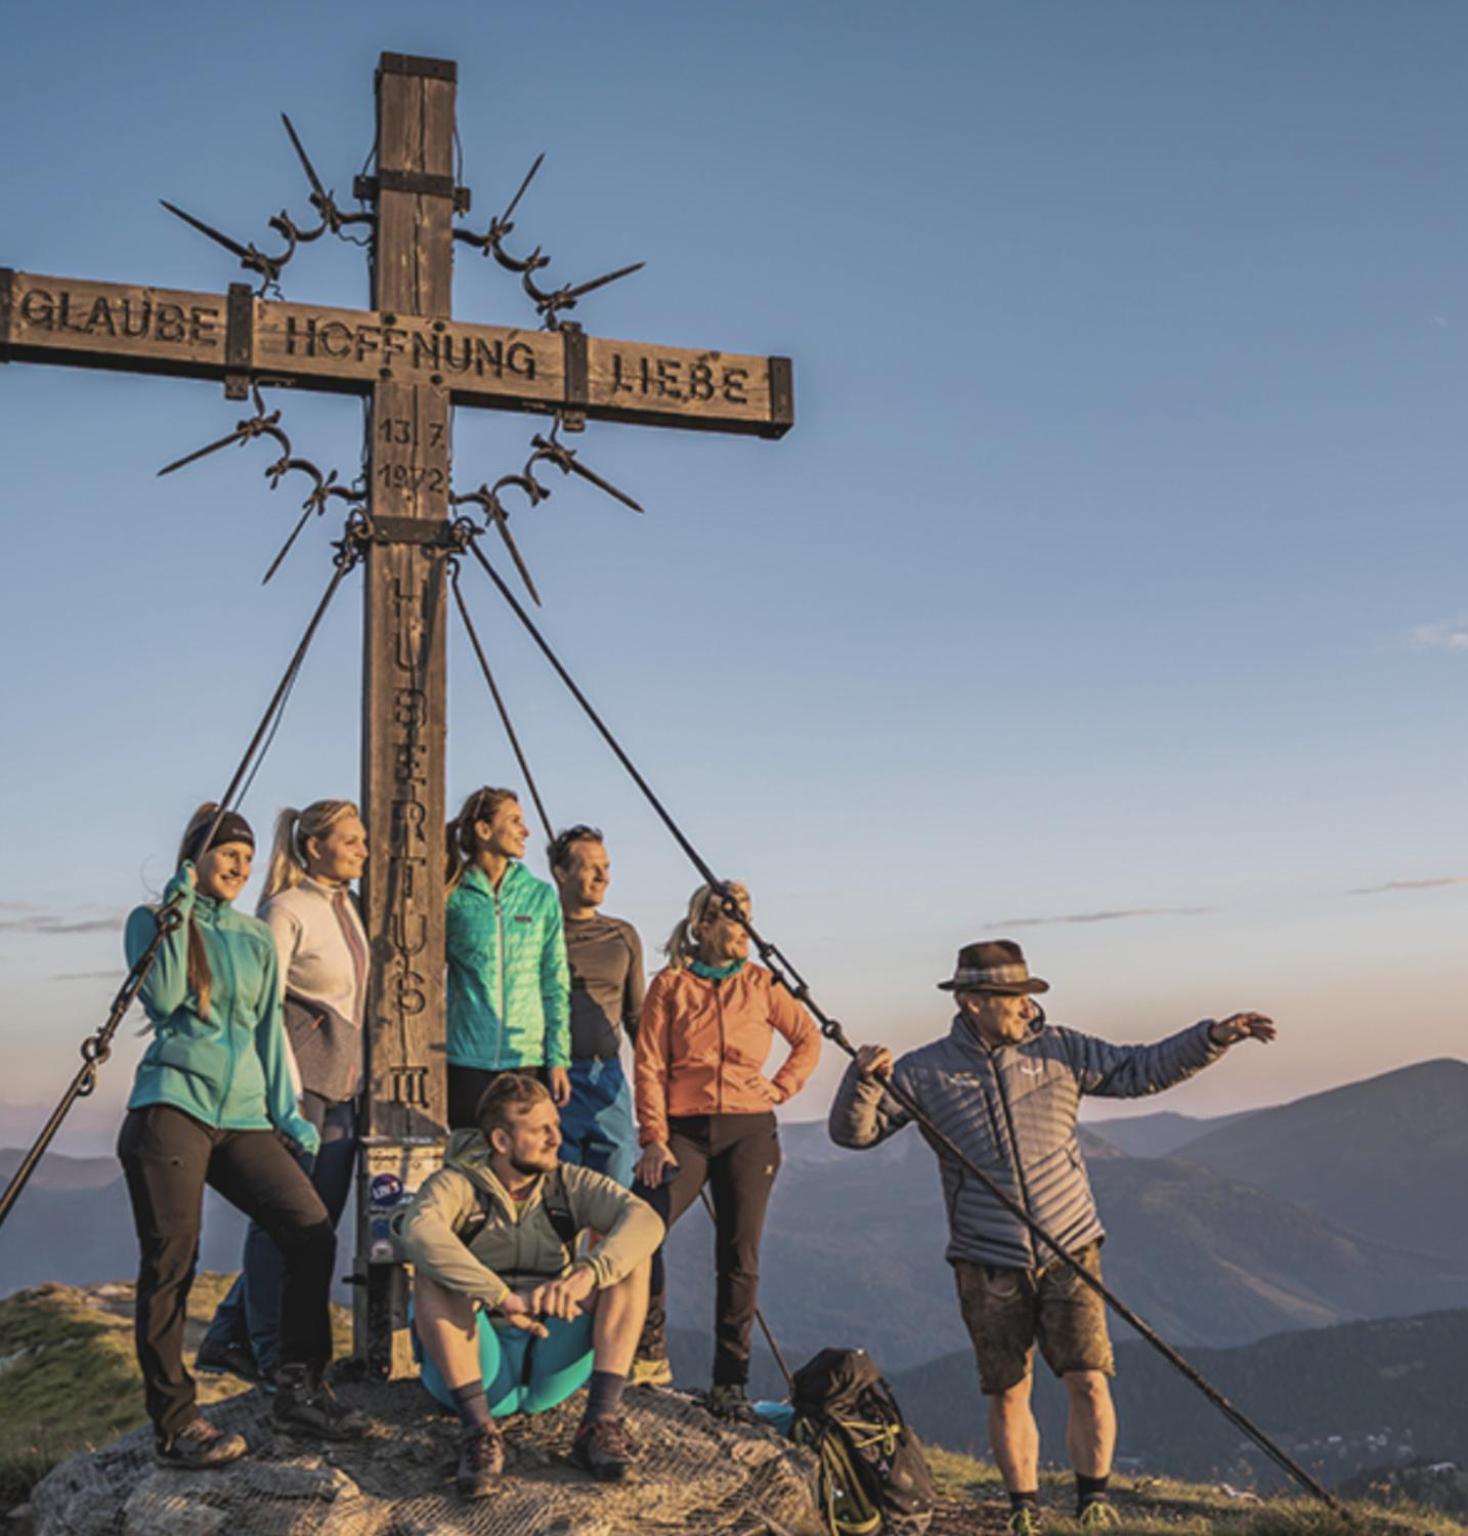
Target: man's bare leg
{"points": [[1090, 1434], [448, 1331], [620, 1311], [1015, 1437]]}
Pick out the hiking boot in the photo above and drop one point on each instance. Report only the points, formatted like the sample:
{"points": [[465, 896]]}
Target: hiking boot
{"points": [[198, 1445], [1024, 1521], [650, 1371], [481, 1460], [305, 1405], [229, 1359], [603, 1448], [1098, 1514], [729, 1400]]}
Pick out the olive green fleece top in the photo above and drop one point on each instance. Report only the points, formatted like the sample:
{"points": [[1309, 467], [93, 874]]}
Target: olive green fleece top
{"points": [[517, 1241]]}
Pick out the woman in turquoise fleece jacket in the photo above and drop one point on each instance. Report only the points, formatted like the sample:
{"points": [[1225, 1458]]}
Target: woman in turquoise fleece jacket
{"points": [[509, 987], [225, 1061], [214, 1096]]}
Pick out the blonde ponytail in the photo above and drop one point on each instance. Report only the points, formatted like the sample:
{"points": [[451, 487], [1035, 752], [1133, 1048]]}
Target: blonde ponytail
{"points": [[705, 903], [292, 829]]}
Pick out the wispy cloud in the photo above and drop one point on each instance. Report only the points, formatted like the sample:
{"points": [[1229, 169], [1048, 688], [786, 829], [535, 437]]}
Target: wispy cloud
{"points": [[1409, 885], [1111, 916], [1450, 635], [28, 917]]}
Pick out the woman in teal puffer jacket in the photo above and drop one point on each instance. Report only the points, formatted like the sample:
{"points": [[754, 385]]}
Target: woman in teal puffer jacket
{"points": [[509, 987], [213, 1101]]}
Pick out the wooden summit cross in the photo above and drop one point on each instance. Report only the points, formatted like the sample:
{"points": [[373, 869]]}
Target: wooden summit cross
{"points": [[415, 362]]}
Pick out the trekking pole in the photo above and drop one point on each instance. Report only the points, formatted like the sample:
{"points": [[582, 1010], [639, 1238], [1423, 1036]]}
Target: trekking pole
{"points": [[97, 1048], [790, 978]]}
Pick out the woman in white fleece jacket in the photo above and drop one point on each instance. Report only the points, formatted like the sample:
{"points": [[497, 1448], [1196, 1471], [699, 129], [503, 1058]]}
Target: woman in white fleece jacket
{"points": [[310, 910]]}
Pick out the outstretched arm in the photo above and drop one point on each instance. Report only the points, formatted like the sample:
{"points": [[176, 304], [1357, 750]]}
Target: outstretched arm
{"points": [[863, 1113], [1133, 1071]]}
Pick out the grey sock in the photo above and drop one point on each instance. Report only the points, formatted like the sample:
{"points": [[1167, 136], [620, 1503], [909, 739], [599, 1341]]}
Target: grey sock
{"points": [[472, 1406], [604, 1396]]}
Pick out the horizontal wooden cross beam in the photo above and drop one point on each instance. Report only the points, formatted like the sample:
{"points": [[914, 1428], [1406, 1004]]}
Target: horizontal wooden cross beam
{"points": [[238, 338]]}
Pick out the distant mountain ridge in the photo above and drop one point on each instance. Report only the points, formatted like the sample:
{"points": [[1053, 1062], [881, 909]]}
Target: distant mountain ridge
{"points": [[1386, 1158], [1160, 1134]]}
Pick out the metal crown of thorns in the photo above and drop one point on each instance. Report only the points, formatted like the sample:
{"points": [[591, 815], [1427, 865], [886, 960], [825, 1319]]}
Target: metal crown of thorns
{"points": [[548, 302]]}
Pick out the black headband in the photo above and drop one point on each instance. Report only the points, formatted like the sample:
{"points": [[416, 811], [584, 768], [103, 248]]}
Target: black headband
{"points": [[232, 828]]}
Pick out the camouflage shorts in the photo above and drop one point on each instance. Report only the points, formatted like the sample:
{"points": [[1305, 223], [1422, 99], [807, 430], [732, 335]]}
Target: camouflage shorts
{"points": [[1008, 1311]]}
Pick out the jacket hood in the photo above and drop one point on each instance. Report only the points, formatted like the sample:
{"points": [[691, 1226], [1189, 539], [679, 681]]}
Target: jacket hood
{"points": [[468, 1153]]}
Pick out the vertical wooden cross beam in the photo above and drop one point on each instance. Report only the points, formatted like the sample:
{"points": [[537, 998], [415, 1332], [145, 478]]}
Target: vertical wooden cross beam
{"points": [[403, 717]]}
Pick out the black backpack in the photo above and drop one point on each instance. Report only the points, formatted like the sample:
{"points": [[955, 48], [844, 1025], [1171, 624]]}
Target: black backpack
{"points": [[873, 1475]]}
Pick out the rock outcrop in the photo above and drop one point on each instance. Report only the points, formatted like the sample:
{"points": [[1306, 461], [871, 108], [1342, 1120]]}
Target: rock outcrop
{"points": [[695, 1476]]}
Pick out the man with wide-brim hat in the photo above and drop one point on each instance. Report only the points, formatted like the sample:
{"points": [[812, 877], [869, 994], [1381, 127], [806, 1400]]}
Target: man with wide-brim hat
{"points": [[1005, 1086]]}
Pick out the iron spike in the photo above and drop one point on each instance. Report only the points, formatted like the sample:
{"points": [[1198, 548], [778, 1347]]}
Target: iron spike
{"points": [[565, 460], [581, 289], [577, 468], [199, 453], [502, 523], [285, 548], [306, 165], [504, 219], [249, 257]]}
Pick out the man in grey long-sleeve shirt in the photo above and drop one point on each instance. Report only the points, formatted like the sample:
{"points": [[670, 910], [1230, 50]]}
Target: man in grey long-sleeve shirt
{"points": [[1005, 1087], [607, 987]]}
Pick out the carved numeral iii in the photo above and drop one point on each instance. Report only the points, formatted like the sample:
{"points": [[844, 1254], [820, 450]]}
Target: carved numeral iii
{"points": [[409, 1085]]}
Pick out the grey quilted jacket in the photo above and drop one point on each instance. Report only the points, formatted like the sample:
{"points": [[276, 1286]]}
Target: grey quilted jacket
{"points": [[1012, 1109]]}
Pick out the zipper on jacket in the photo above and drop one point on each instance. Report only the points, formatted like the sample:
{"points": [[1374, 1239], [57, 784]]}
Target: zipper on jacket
{"points": [[719, 1073], [1024, 1193], [228, 1036], [499, 968]]}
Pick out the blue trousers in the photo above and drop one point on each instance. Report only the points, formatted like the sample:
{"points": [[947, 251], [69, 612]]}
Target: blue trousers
{"points": [[522, 1374], [597, 1129], [250, 1313]]}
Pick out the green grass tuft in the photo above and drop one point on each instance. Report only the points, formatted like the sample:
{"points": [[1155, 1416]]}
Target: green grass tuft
{"points": [[69, 1378]]}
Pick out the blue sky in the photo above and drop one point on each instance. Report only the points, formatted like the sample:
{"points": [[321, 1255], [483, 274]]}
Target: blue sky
{"points": [[1113, 575]]}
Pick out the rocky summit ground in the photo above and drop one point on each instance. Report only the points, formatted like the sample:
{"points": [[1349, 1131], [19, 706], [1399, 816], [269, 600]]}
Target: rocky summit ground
{"points": [[76, 1461], [694, 1474]]}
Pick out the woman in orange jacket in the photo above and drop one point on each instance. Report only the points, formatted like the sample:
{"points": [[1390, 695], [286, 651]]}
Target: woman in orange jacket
{"points": [[706, 1114]]}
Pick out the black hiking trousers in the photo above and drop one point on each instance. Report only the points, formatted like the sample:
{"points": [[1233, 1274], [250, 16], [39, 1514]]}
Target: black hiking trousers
{"points": [[168, 1157], [738, 1157]]}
